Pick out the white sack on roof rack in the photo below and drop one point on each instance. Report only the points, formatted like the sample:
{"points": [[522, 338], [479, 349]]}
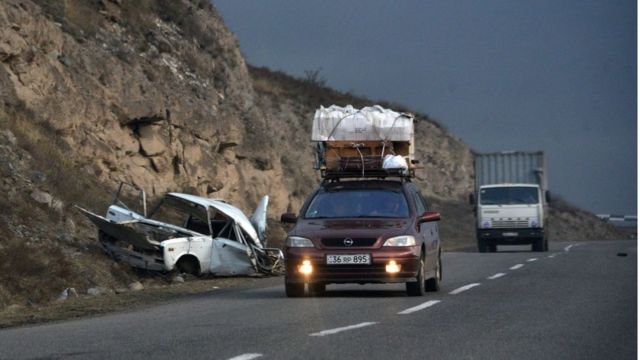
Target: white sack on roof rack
{"points": [[369, 123]]}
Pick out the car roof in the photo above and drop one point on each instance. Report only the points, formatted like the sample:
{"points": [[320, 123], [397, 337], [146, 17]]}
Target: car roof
{"points": [[228, 210]]}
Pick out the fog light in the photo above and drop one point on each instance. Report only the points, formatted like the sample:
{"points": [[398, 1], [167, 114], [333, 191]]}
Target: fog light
{"points": [[306, 267], [392, 267]]}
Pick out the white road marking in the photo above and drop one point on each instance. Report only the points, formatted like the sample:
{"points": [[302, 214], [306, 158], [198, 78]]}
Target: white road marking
{"points": [[246, 357], [463, 288], [532, 259], [419, 307], [516, 267], [337, 330], [498, 275], [566, 249]]}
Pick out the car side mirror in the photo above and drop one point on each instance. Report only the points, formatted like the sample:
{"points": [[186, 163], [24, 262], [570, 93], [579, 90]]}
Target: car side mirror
{"points": [[430, 216], [290, 218], [547, 196], [472, 199]]}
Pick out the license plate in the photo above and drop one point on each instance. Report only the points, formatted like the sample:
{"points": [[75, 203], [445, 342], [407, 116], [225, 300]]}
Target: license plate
{"points": [[510, 234], [353, 259]]}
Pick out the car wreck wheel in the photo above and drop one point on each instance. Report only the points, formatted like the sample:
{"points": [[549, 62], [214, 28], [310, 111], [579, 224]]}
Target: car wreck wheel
{"points": [[188, 265], [416, 288], [294, 289]]}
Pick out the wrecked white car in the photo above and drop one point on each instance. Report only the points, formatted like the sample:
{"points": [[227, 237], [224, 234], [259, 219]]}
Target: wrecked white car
{"points": [[190, 234]]}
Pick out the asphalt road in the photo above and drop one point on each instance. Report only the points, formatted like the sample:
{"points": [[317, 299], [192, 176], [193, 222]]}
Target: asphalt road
{"points": [[578, 301]]}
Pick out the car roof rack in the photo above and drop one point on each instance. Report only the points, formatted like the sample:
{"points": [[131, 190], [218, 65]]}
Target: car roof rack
{"points": [[337, 175]]}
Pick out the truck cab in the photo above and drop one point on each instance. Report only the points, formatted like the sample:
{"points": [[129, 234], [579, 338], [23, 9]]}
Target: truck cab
{"points": [[510, 214]]}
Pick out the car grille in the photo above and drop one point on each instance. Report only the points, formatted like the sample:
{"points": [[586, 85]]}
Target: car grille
{"points": [[509, 223], [357, 242]]}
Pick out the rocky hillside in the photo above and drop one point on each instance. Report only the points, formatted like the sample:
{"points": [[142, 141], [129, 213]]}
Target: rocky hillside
{"points": [[157, 93]]}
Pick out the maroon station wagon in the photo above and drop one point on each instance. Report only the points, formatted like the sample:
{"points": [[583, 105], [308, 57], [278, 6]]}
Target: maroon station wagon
{"points": [[363, 231]]}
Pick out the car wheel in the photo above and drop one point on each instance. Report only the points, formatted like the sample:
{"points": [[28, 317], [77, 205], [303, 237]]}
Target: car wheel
{"points": [[433, 284], [317, 289], [416, 288], [294, 289]]}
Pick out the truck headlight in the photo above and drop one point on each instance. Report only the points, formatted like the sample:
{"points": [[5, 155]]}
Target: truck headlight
{"points": [[486, 225], [405, 240], [297, 241], [534, 223]]}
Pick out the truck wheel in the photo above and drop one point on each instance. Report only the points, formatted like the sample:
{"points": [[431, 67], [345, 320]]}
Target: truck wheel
{"points": [[416, 288], [482, 245], [538, 245], [294, 289]]}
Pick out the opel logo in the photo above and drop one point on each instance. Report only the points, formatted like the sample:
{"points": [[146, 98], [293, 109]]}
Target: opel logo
{"points": [[347, 242]]}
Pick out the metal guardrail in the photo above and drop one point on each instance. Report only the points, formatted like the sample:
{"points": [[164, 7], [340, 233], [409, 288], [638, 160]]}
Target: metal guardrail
{"points": [[608, 217]]}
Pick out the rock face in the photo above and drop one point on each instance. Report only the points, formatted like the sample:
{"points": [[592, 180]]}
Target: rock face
{"points": [[163, 104]]}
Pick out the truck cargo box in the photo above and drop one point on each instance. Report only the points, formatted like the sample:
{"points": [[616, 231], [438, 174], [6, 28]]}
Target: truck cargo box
{"points": [[511, 167]]}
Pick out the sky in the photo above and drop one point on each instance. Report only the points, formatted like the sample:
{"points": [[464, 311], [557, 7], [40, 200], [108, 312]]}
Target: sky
{"points": [[553, 75]]}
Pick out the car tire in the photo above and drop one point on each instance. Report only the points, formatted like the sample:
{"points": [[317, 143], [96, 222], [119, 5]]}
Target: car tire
{"points": [[416, 288], [433, 284], [317, 289], [294, 289]]}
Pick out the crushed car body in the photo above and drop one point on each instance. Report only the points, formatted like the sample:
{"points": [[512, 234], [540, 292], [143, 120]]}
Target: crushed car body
{"points": [[190, 234]]}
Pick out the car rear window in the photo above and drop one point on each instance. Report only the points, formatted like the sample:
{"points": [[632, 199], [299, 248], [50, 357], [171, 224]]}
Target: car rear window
{"points": [[358, 203]]}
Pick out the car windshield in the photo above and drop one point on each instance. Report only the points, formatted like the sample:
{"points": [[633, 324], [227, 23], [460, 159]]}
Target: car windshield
{"points": [[512, 195], [376, 203]]}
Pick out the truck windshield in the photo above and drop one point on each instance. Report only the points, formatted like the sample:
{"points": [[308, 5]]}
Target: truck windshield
{"points": [[358, 204], [512, 195]]}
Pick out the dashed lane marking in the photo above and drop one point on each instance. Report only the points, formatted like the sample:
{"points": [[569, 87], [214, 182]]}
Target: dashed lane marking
{"points": [[464, 288], [498, 275], [419, 307], [532, 259], [246, 357], [516, 267], [341, 329]]}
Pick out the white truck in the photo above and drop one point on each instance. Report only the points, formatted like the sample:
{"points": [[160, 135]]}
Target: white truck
{"points": [[510, 200]]}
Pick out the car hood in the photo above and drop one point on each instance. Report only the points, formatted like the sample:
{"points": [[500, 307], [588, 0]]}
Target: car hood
{"points": [[321, 228]]}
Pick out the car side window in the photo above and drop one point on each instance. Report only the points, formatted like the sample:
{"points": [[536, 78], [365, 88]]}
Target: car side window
{"points": [[424, 201], [417, 199]]}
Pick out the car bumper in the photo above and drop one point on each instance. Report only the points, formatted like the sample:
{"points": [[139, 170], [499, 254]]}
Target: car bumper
{"points": [[511, 236], [407, 257]]}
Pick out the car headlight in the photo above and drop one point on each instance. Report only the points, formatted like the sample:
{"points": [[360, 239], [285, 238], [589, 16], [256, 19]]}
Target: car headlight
{"points": [[405, 240], [297, 241]]}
